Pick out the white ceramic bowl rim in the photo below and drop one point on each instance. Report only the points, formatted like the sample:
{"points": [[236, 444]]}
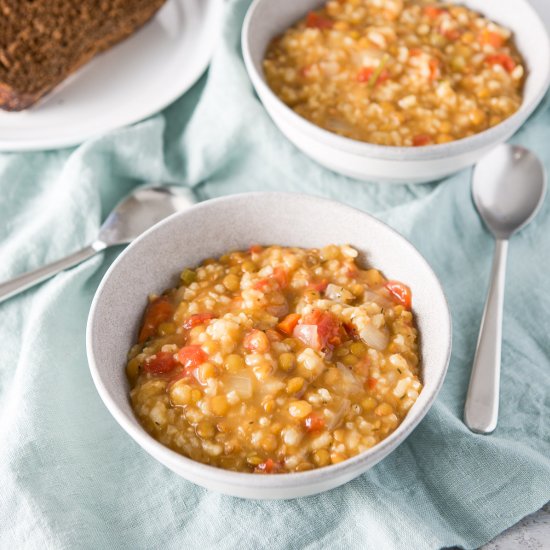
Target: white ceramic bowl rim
{"points": [[258, 481], [428, 152]]}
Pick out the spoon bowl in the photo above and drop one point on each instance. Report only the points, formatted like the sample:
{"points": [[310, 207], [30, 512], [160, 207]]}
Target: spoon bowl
{"points": [[139, 211], [508, 188]]}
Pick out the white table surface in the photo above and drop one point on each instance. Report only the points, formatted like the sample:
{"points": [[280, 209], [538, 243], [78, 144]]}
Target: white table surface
{"points": [[532, 532]]}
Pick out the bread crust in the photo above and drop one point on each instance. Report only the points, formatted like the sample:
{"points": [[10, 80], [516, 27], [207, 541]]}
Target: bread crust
{"points": [[12, 99]]}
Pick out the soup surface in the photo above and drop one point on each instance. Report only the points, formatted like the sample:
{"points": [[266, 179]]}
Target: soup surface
{"points": [[397, 72], [276, 360]]}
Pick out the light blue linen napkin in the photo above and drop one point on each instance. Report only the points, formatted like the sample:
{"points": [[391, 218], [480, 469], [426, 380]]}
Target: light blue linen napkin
{"points": [[71, 478]]}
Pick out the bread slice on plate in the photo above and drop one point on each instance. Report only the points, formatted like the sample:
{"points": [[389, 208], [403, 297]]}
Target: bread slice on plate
{"points": [[43, 41]]}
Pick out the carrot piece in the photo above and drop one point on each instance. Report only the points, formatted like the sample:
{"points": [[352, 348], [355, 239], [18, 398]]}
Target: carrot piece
{"points": [[433, 12], [492, 39], [371, 383], [421, 139], [288, 324], [316, 21]]}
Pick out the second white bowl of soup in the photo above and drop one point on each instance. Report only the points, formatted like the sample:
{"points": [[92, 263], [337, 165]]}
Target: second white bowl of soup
{"points": [[404, 91]]}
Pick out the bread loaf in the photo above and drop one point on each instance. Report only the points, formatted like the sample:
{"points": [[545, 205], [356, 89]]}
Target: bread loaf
{"points": [[44, 41]]}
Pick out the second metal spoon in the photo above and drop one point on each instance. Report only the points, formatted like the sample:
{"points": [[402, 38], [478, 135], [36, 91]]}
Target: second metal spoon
{"points": [[508, 188], [132, 216]]}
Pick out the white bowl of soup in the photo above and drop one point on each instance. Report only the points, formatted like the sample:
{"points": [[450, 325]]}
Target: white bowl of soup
{"points": [[258, 358], [400, 91]]}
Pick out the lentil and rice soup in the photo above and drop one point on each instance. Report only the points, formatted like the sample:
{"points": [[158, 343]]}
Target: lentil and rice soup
{"points": [[397, 72], [276, 360]]}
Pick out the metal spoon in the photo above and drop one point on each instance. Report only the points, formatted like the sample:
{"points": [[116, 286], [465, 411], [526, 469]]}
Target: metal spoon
{"points": [[131, 217], [508, 188]]}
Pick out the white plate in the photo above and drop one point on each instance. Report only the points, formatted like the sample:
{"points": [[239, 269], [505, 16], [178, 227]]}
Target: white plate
{"points": [[133, 80]]}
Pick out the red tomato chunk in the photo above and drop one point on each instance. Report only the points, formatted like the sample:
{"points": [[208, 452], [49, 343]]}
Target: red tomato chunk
{"points": [[198, 319], [158, 311], [400, 293], [192, 356], [160, 363]]}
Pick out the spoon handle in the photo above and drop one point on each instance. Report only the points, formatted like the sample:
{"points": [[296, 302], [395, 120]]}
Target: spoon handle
{"points": [[481, 408], [23, 282]]}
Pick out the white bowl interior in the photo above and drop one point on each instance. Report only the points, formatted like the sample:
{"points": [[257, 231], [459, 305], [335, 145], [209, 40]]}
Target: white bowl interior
{"points": [[267, 19], [153, 263]]}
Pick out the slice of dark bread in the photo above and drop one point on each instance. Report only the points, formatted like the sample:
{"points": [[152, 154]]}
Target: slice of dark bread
{"points": [[43, 41]]}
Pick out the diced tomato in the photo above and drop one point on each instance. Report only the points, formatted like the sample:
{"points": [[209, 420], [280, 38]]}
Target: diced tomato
{"points": [[192, 356], [255, 249], [351, 331], [365, 75], [288, 323], [281, 276], [267, 467], [421, 139], [256, 340], [319, 286], [198, 319], [160, 363], [400, 293], [329, 330], [314, 422], [261, 284], [492, 39], [318, 329], [502, 59], [452, 34], [433, 12], [316, 21], [433, 63], [158, 311], [304, 71], [371, 383]]}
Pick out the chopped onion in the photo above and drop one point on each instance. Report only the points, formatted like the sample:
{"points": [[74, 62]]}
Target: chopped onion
{"points": [[308, 335], [338, 293], [343, 409], [241, 384], [272, 387], [350, 382], [374, 337], [338, 125], [382, 301]]}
